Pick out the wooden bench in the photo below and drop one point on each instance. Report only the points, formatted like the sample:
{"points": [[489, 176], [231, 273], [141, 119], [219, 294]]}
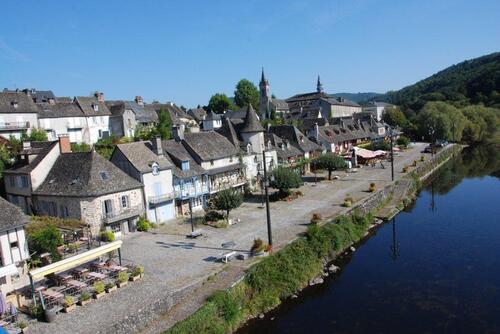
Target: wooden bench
{"points": [[195, 234]]}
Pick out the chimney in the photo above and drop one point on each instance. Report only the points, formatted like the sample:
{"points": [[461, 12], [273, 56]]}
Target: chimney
{"points": [[99, 96], [64, 144], [139, 100], [157, 148], [52, 100], [178, 132]]}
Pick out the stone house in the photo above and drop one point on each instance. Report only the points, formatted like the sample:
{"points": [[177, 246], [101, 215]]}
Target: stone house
{"points": [[18, 114], [13, 248], [88, 187], [62, 117], [145, 161], [97, 117], [247, 136], [190, 181]]}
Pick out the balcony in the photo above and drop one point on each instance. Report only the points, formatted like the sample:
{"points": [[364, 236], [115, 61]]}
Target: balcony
{"points": [[161, 198], [9, 126], [188, 192], [219, 185], [125, 213]]}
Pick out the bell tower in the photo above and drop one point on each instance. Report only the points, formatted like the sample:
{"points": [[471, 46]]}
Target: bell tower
{"points": [[264, 97]]}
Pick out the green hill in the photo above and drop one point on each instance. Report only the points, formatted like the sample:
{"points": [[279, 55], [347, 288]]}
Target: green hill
{"points": [[470, 82]]}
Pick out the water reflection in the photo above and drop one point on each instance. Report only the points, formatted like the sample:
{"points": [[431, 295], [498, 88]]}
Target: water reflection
{"points": [[395, 244]]}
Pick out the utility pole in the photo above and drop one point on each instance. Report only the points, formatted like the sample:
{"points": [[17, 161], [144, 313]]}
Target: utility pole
{"points": [[268, 213], [392, 154], [191, 213]]}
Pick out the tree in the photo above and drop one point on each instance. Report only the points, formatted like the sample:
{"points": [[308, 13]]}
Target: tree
{"points": [[285, 179], [164, 124], [46, 240], [403, 141], [219, 103], [246, 93], [6, 159], [143, 132], [37, 135], [330, 162], [227, 200], [394, 117]]}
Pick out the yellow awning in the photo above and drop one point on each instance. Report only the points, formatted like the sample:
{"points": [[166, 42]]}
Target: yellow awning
{"points": [[74, 261]]}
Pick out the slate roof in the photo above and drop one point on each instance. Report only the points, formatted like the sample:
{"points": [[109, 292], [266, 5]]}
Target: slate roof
{"points": [[24, 103], [340, 102], [176, 113], [211, 116], [85, 103], [40, 96], [279, 104], [85, 174], [41, 149], [12, 216], [59, 109], [209, 145], [307, 96], [177, 154], [283, 149], [251, 122], [379, 104], [228, 130], [198, 114], [295, 137], [345, 131], [141, 156], [236, 114]]}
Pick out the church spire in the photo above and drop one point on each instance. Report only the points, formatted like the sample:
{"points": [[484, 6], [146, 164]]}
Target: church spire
{"points": [[263, 77], [319, 86]]}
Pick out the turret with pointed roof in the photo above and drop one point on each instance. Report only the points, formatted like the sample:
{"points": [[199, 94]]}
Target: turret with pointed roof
{"points": [[251, 122], [319, 86]]}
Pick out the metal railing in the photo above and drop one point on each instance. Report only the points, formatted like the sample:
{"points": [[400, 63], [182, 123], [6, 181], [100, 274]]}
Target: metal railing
{"points": [[125, 213], [161, 198], [190, 191], [226, 184], [14, 125]]}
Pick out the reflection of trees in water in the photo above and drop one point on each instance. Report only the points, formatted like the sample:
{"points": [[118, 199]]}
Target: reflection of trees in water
{"points": [[472, 162]]}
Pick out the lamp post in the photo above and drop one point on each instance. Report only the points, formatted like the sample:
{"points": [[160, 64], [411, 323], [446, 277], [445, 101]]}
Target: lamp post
{"points": [[268, 213], [391, 135], [191, 213], [432, 130], [261, 181]]}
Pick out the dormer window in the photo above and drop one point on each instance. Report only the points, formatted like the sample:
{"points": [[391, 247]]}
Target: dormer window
{"points": [[185, 165], [103, 175], [14, 104], [155, 168], [249, 148], [95, 106]]}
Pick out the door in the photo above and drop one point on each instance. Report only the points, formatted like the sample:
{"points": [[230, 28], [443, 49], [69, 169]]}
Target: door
{"points": [[166, 211]]}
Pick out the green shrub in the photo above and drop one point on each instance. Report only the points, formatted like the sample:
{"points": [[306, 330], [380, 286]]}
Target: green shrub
{"points": [[68, 301], [138, 270], [422, 158], [414, 163], [107, 236], [84, 296], [405, 169], [122, 277], [21, 324], [213, 216], [373, 187], [110, 285], [46, 240], [403, 141], [98, 287], [316, 218], [143, 225]]}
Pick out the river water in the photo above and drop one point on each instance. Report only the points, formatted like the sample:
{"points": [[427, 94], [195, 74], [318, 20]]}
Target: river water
{"points": [[434, 269]]}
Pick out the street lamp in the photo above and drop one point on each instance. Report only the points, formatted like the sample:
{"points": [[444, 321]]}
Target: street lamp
{"points": [[432, 130], [261, 181], [268, 213], [391, 136], [191, 212]]}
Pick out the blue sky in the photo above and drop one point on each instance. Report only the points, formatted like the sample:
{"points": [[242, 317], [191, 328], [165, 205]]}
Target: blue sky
{"points": [[185, 51]]}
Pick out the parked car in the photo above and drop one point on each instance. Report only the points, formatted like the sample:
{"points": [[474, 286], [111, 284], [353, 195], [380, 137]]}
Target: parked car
{"points": [[441, 143]]}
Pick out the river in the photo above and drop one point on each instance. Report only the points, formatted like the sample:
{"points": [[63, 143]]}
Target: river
{"points": [[434, 269]]}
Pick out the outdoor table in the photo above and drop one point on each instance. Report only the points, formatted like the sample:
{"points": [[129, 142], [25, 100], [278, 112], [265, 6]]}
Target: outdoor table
{"points": [[117, 268], [51, 294], [40, 288], [99, 265], [76, 284], [96, 276], [62, 278], [80, 271]]}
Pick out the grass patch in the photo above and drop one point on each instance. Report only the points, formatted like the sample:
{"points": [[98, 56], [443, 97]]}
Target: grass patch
{"points": [[276, 277]]}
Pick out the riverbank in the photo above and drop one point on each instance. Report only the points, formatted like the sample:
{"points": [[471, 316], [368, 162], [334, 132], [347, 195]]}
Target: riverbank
{"points": [[303, 261]]}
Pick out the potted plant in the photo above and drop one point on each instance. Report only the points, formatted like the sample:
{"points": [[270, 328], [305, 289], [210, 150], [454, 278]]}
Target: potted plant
{"points": [[422, 158], [316, 218], [68, 304], [84, 298], [405, 169], [414, 163], [110, 287], [137, 273], [373, 187], [258, 247], [122, 279], [348, 202], [23, 326], [99, 289]]}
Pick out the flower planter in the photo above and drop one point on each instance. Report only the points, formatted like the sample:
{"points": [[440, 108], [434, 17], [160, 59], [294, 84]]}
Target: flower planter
{"points": [[99, 295], [121, 284], [83, 302], [24, 330], [69, 309], [109, 290], [134, 278]]}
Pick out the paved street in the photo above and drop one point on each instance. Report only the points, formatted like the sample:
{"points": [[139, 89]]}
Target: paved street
{"points": [[173, 262]]}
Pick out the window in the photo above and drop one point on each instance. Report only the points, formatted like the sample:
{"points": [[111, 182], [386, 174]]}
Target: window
{"points": [[156, 168], [115, 228], [12, 181], [63, 210], [14, 244], [107, 207], [125, 202], [103, 175], [185, 165], [211, 162], [95, 107]]}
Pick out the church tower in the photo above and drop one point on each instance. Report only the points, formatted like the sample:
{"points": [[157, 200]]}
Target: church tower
{"points": [[319, 86], [264, 97]]}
